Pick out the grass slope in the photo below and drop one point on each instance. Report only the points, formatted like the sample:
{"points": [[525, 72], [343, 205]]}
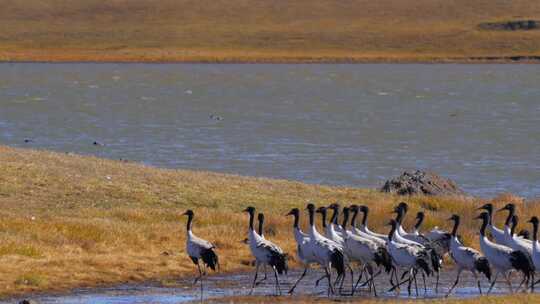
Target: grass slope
{"points": [[71, 221], [261, 31]]}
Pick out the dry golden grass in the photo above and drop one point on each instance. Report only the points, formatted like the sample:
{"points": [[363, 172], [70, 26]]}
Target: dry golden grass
{"points": [[264, 31], [71, 221]]}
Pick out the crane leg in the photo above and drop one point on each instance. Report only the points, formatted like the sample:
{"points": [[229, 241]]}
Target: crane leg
{"points": [[437, 283], [415, 282], [265, 276], [254, 278], [277, 281], [410, 282], [456, 282], [200, 274], [509, 283], [291, 291], [477, 282], [358, 281], [424, 280], [329, 277], [493, 283], [532, 282]]}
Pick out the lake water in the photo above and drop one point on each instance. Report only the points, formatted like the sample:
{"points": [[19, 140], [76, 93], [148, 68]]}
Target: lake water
{"points": [[223, 286], [332, 124]]}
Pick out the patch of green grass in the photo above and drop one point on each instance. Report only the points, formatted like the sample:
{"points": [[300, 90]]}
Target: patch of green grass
{"points": [[21, 250], [30, 279]]}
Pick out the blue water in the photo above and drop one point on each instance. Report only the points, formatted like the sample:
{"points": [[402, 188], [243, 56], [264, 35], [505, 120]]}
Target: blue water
{"points": [[333, 124]]}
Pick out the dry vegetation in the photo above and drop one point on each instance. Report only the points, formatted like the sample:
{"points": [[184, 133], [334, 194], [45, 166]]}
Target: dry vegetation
{"points": [[70, 220], [264, 31]]}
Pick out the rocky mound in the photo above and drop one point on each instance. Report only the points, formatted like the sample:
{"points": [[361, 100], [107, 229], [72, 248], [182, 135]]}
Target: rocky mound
{"points": [[421, 182]]}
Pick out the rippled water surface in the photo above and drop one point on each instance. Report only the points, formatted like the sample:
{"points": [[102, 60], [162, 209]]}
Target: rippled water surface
{"points": [[223, 286], [332, 124]]}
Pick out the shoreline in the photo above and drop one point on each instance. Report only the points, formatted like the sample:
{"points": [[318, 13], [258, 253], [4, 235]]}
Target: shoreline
{"points": [[511, 59]]}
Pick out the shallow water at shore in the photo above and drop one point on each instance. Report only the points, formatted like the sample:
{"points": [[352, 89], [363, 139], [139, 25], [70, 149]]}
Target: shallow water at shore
{"points": [[336, 124], [222, 286]]}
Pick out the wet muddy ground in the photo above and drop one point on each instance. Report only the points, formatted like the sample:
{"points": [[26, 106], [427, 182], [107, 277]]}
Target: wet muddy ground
{"points": [[222, 286]]}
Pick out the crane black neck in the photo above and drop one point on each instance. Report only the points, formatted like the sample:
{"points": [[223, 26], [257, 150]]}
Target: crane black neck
{"points": [[261, 223], [353, 217], [323, 218], [392, 230], [420, 221], [335, 216], [489, 210], [513, 225], [345, 217], [364, 219], [484, 225], [456, 225], [399, 216], [311, 214], [511, 212], [189, 222], [296, 219], [535, 230], [251, 218]]}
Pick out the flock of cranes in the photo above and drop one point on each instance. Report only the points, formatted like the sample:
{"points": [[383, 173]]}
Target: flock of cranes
{"points": [[344, 245]]}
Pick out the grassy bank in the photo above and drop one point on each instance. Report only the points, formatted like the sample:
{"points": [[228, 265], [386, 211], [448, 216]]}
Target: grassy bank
{"points": [[70, 221], [266, 31]]}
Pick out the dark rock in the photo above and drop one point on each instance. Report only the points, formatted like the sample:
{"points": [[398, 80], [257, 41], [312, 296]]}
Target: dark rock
{"points": [[421, 182], [511, 25], [28, 302]]}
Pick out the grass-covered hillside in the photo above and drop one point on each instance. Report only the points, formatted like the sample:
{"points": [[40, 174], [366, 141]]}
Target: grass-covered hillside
{"points": [[261, 31]]}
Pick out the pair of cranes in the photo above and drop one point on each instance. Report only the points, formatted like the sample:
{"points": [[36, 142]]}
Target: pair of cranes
{"points": [[398, 250]]}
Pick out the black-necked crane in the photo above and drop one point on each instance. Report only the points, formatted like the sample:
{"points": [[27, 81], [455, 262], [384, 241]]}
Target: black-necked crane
{"points": [[510, 239], [407, 256], [521, 244], [334, 220], [503, 259], [328, 253], [260, 230], [536, 247], [408, 238], [199, 249], [364, 226], [364, 251], [438, 239], [334, 228], [496, 233], [357, 231], [265, 252], [466, 258], [303, 251], [329, 227]]}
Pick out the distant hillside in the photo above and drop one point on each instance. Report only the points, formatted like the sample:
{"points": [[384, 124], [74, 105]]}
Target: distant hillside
{"points": [[277, 30]]}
